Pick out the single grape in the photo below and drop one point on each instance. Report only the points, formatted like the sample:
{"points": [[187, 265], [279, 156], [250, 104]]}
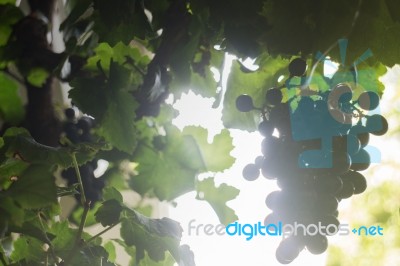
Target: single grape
{"points": [[266, 128], [328, 184], [362, 134], [274, 96], [377, 125], [85, 124], [326, 204], [297, 67], [360, 161], [258, 161], [368, 100], [330, 220], [244, 103], [316, 244], [251, 172], [70, 113], [347, 190], [287, 250], [357, 179], [273, 199]]}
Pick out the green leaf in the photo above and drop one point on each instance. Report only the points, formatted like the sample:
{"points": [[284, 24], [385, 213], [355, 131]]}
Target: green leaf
{"points": [[168, 173], [10, 211], [9, 15], [155, 236], [110, 248], [216, 155], [30, 229], [37, 76], [90, 218], [11, 107], [146, 261], [3, 2], [10, 168], [29, 249], [35, 188], [118, 126], [217, 198], [109, 212], [65, 238], [110, 193], [132, 21], [19, 142]]}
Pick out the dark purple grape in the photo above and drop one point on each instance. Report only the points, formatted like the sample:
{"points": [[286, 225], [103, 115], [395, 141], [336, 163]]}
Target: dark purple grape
{"points": [[360, 161], [362, 134], [70, 113], [328, 184], [288, 250], [357, 179], [347, 189], [316, 244], [274, 96], [244, 103], [85, 124], [297, 67], [377, 125], [368, 100], [266, 128], [251, 172]]}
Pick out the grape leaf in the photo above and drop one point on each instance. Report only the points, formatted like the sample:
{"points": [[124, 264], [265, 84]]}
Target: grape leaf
{"points": [[32, 230], [110, 248], [29, 249], [10, 211], [117, 126], [11, 108], [110, 193], [35, 188], [37, 76], [155, 236], [109, 212], [168, 173], [217, 198], [18, 142], [146, 261], [131, 21], [10, 168], [216, 155]]}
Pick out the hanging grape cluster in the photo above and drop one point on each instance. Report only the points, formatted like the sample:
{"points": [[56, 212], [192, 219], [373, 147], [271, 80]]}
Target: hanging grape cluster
{"points": [[77, 131], [314, 147]]}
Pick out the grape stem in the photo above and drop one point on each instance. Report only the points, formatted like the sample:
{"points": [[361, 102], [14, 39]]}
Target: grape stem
{"points": [[86, 207], [78, 174], [51, 249], [101, 233]]}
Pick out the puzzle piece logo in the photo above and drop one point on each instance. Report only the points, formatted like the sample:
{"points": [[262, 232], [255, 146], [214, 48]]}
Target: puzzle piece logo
{"points": [[339, 114]]}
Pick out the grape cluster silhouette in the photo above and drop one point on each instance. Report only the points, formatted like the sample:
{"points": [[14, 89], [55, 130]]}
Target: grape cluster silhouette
{"points": [[77, 130], [314, 146]]}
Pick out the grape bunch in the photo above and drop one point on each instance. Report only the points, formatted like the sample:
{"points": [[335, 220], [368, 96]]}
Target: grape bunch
{"points": [[314, 146], [77, 130]]}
